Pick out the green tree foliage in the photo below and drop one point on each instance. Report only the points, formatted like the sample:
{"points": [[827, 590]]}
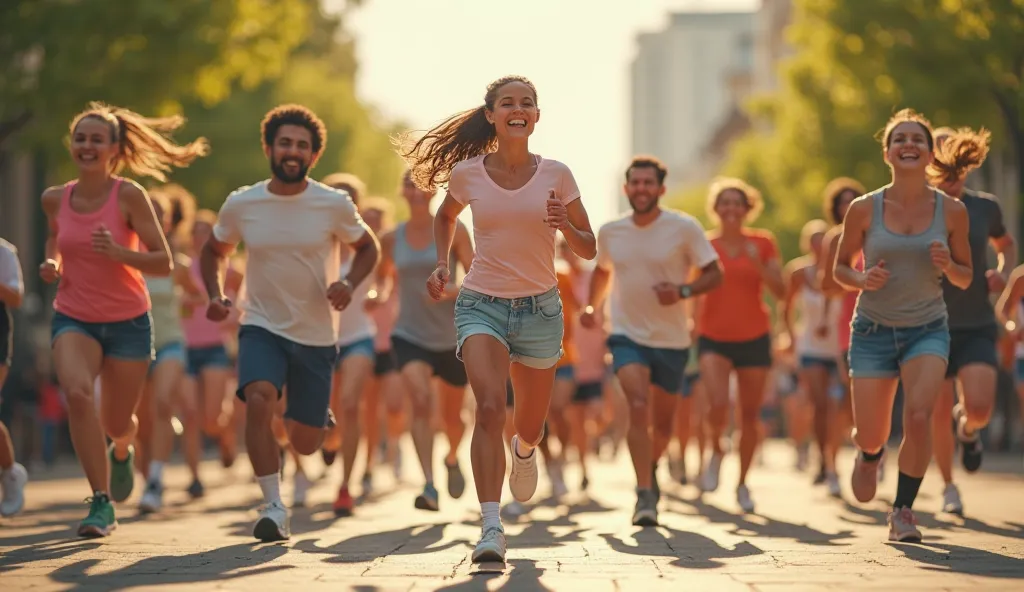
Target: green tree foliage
{"points": [[855, 62], [320, 74], [146, 54]]}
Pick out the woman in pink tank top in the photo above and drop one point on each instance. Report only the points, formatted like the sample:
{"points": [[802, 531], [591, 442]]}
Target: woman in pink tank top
{"points": [[102, 324], [508, 309]]}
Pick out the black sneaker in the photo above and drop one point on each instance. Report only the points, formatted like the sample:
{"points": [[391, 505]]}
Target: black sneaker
{"points": [[970, 454], [196, 490], [646, 512]]}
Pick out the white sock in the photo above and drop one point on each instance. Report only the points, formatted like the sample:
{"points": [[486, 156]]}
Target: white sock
{"points": [[522, 450], [271, 487], [156, 471], [489, 512]]}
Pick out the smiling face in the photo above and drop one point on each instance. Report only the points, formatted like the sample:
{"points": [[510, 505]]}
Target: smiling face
{"points": [[732, 208], [515, 111], [643, 189], [909, 150], [291, 155], [92, 145]]}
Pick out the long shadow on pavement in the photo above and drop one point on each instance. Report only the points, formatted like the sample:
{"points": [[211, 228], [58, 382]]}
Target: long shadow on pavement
{"points": [[44, 551], [412, 540], [932, 522], [691, 550], [228, 563], [525, 575], [946, 558], [763, 526]]}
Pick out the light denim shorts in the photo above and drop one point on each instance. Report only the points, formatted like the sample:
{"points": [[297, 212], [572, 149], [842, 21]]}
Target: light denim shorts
{"points": [[530, 328], [878, 351]]}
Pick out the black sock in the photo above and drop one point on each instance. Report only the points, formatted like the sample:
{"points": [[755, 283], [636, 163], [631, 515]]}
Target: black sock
{"points": [[872, 457], [906, 491]]}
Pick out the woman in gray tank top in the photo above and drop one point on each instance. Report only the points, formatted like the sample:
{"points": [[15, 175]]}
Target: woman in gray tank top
{"points": [[973, 361], [423, 337], [911, 235]]}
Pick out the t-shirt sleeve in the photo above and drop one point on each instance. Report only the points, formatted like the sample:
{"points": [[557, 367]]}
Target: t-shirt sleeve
{"points": [[604, 258], [349, 226], [701, 251], [10, 269], [769, 248], [457, 184], [996, 226], [567, 190], [228, 228]]}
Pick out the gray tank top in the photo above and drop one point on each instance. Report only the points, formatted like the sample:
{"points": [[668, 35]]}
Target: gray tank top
{"points": [[913, 294], [421, 320]]}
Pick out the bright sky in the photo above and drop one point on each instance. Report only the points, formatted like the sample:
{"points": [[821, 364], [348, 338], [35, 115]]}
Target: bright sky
{"points": [[422, 60]]}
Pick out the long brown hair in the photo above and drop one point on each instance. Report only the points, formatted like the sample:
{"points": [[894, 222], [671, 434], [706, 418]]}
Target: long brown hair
{"points": [[145, 147], [460, 137], [960, 153]]}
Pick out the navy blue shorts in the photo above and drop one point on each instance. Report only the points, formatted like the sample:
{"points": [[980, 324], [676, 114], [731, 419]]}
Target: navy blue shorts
{"points": [[212, 356], [306, 370], [666, 365]]}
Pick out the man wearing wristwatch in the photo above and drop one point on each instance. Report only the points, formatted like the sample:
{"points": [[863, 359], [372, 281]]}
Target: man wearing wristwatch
{"points": [[650, 252], [294, 229]]}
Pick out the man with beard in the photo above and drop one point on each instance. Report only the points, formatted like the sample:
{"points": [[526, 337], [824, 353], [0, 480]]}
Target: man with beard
{"points": [[293, 228], [651, 252]]}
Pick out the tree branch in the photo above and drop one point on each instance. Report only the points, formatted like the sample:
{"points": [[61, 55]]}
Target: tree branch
{"points": [[10, 126]]}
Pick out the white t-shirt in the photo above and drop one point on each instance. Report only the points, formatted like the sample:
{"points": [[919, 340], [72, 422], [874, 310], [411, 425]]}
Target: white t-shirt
{"points": [[641, 257], [293, 247], [354, 323], [10, 267]]}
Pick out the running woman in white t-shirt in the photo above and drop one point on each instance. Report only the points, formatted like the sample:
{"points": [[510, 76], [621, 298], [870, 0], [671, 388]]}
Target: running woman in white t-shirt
{"points": [[650, 252], [293, 228]]}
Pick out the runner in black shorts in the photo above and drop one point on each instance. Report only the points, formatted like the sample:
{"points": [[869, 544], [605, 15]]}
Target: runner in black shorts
{"points": [[423, 337], [13, 476], [972, 321]]}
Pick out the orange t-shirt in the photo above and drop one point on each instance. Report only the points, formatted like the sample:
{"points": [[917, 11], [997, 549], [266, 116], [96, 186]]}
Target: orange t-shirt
{"points": [[569, 312], [736, 311]]}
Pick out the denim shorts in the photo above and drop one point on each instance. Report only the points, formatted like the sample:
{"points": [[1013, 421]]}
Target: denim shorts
{"points": [[124, 340], [307, 371], [530, 327], [689, 383], [363, 347], [172, 350], [588, 391], [445, 364], [878, 351], [1020, 370], [212, 356], [666, 365], [566, 373]]}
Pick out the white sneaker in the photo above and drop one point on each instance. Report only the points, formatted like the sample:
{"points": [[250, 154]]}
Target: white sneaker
{"points": [[13, 483], [272, 524], [522, 481], [832, 482], [300, 487], [951, 502], [743, 499], [555, 475], [153, 498], [491, 546], [709, 479]]}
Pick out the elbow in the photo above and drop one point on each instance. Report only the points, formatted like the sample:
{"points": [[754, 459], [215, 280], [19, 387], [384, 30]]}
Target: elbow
{"points": [[590, 252]]}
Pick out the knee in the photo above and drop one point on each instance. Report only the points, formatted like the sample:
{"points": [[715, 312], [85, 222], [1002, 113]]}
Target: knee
{"points": [[162, 410], [979, 410], [261, 404], [305, 440], [350, 409], [490, 416], [870, 441], [80, 398], [663, 426], [917, 421]]}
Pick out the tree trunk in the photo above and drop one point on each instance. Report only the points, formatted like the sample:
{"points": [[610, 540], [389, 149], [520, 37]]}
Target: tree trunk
{"points": [[9, 127]]}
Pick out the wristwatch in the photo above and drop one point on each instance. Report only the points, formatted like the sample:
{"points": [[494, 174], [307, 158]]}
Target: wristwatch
{"points": [[685, 291]]}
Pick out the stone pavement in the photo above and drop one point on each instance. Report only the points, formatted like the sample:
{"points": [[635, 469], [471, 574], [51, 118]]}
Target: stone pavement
{"points": [[798, 540]]}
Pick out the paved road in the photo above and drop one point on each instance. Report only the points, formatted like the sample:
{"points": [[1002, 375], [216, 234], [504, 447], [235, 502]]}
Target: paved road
{"points": [[799, 539]]}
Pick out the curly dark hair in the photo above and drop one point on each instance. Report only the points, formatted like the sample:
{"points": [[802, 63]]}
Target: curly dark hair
{"points": [[293, 115]]}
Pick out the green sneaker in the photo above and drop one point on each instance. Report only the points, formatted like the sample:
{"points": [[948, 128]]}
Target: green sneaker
{"points": [[122, 475], [100, 522]]}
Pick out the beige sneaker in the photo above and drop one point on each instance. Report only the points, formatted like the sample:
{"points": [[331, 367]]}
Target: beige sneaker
{"points": [[864, 479], [903, 526]]}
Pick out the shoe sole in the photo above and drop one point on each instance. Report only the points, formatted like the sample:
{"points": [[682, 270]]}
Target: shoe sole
{"points": [[95, 532], [16, 510], [906, 538], [422, 503], [267, 531], [645, 520], [456, 483], [342, 513], [488, 556], [148, 509]]}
